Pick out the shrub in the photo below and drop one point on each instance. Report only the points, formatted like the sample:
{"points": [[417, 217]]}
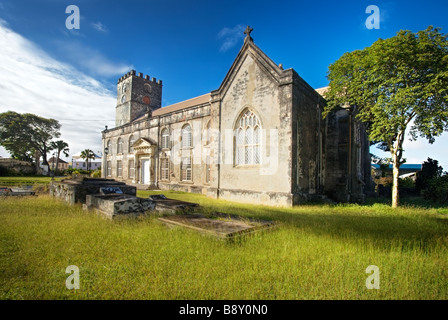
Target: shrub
{"points": [[3, 171], [437, 189], [407, 183], [430, 170], [96, 173]]}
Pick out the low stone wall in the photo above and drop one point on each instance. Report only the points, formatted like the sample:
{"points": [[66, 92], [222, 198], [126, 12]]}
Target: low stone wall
{"points": [[279, 199]]}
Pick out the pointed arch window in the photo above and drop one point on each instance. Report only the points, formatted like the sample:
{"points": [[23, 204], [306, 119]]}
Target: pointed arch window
{"points": [[248, 139]]}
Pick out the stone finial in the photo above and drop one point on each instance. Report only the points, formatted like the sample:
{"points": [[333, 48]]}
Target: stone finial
{"points": [[247, 32]]}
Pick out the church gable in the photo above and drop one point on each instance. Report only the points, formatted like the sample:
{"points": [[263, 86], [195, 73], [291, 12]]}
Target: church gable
{"points": [[250, 54]]}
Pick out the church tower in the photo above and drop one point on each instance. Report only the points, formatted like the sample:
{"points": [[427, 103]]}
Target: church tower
{"points": [[136, 96]]}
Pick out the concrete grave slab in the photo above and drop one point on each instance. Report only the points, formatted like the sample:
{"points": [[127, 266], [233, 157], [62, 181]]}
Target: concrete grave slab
{"points": [[171, 205], [218, 224]]}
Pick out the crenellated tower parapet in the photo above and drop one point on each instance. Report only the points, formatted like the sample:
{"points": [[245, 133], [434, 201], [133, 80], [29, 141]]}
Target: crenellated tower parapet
{"points": [[137, 95]]}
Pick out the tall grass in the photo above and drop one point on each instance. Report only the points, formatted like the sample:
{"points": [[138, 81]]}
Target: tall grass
{"points": [[314, 252]]}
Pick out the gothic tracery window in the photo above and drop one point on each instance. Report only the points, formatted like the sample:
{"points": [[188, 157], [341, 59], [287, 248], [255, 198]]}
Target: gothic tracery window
{"points": [[248, 139]]}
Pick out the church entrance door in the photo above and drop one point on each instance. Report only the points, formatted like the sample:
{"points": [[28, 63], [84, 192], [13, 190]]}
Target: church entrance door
{"points": [[146, 175]]}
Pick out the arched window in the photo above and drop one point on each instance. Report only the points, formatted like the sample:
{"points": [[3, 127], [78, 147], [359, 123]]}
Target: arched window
{"points": [[165, 139], [120, 145], [131, 142], [187, 141], [248, 139]]}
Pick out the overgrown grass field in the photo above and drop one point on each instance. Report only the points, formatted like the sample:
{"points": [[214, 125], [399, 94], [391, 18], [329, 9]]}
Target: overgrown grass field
{"points": [[314, 252]]}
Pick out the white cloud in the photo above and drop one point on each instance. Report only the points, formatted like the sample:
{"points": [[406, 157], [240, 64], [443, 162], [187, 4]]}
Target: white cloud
{"points": [[91, 59], [231, 36], [33, 82], [100, 27]]}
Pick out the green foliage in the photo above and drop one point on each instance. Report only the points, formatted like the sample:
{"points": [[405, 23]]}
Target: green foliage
{"points": [[392, 83], [96, 173], [437, 189], [407, 183], [430, 170], [87, 155], [4, 171], [26, 135], [59, 146]]}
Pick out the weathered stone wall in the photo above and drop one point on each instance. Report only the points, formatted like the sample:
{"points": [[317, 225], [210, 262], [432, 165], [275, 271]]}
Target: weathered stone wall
{"points": [[306, 141], [75, 191], [259, 86], [347, 158]]}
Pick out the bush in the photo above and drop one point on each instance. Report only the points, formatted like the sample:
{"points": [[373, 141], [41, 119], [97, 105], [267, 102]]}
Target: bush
{"points": [[406, 183], [437, 189], [96, 173], [430, 170], [3, 171]]}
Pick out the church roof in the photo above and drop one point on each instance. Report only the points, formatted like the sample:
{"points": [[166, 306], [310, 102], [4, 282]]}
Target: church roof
{"points": [[183, 105]]}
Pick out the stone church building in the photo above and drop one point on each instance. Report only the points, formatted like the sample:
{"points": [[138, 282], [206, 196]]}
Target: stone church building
{"points": [[258, 138]]}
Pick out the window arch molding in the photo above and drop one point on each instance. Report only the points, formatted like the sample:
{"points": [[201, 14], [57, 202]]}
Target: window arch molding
{"points": [[247, 138]]}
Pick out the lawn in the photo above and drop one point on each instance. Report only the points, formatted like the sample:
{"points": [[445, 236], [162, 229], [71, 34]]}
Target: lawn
{"points": [[314, 252]]}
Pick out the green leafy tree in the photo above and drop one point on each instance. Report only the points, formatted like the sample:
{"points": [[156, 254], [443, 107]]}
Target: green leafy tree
{"points": [[87, 155], [25, 135], [430, 170], [60, 146], [397, 86]]}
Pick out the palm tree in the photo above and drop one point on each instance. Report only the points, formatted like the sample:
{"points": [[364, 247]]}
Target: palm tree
{"points": [[87, 155], [60, 146]]}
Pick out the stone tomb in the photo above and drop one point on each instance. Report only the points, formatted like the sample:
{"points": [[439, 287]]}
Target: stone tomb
{"points": [[108, 196], [75, 190], [115, 204]]}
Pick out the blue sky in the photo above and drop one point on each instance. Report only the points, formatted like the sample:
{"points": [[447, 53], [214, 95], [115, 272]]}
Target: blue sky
{"points": [[70, 75]]}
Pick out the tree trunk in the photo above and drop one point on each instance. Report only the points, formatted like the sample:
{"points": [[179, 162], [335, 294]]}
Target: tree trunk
{"points": [[395, 195], [57, 162]]}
